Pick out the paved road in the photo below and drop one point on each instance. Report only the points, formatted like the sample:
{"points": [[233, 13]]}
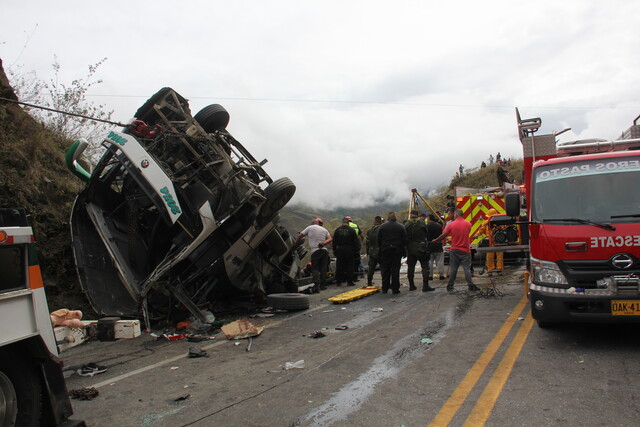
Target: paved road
{"points": [[487, 363]]}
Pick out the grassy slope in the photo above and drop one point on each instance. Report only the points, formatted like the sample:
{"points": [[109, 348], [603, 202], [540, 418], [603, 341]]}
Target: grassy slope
{"points": [[33, 175]]}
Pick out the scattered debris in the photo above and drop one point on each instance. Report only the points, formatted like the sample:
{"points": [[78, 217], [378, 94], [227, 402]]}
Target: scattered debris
{"points": [[182, 398], [377, 309], [196, 351], [66, 317], [263, 315], [426, 341], [199, 337], [293, 365], [184, 324], [249, 345], [70, 336], [85, 393], [91, 369], [241, 329], [342, 328], [173, 368], [317, 334], [172, 337]]}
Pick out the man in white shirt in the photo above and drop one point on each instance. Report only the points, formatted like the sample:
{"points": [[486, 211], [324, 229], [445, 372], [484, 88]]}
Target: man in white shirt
{"points": [[318, 239]]}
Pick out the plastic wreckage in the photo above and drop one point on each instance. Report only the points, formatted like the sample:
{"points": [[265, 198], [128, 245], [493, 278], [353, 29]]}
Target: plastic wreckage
{"points": [[177, 213]]}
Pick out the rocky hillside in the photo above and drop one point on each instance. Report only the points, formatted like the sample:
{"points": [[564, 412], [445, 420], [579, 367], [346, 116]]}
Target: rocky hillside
{"points": [[33, 175]]}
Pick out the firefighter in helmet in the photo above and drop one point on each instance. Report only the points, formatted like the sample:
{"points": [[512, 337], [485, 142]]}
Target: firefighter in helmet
{"points": [[491, 264]]}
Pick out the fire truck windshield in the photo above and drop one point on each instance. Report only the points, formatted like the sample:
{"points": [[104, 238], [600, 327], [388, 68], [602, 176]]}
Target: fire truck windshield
{"points": [[603, 190]]}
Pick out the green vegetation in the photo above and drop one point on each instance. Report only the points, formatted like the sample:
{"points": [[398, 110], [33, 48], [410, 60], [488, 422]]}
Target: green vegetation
{"points": [[33, 175]]}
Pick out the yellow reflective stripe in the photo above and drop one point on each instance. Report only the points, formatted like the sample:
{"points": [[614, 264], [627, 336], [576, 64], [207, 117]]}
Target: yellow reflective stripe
{"points": [[497, 204]]}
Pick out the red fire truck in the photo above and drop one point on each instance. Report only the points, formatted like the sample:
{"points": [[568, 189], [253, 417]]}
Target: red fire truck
{"points": [[476, 203], [583, 207]]}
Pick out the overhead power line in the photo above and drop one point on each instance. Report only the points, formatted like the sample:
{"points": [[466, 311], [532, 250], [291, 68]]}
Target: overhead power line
{"points": [[338, 101]]}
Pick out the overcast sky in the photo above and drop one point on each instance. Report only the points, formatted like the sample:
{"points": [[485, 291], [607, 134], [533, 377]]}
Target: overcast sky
{"points": [[355, 101]]}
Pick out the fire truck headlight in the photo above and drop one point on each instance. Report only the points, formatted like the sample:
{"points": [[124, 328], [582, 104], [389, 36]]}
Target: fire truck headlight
{"points": [[546, 272]]}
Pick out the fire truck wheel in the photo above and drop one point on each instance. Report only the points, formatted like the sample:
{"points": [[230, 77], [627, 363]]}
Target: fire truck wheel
{"points": [[20, 381], [288, 301], [212, 118]]}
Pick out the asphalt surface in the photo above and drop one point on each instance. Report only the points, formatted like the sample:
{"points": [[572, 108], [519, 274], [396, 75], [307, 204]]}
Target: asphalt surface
{"points": [[434, 358]]}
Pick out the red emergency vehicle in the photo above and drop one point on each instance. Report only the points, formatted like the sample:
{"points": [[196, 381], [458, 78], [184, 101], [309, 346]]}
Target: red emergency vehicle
{"points": [[583, 204]]}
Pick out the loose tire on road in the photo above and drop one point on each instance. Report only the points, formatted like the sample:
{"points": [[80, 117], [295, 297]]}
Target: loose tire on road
{"points": [[212, 118], [288, 301], [20, 381]]}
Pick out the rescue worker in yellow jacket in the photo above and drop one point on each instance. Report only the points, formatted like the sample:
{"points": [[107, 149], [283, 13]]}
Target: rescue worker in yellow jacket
{"points": [[491, 256]]}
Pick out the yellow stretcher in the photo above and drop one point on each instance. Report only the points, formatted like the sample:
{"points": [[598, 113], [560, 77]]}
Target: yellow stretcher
{"points": [[354, 294]]}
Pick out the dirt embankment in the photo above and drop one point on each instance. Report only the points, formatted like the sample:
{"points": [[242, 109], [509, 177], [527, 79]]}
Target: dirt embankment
{"points": [[33, 175]]}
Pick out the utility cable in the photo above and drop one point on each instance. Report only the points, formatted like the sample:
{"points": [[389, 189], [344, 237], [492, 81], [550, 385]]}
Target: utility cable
{"points": [[63, 112]]}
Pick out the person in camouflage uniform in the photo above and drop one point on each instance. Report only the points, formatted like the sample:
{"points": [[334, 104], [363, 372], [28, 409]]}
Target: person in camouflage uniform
{"points": [[417, 251], [373, 251], [345, 245]]}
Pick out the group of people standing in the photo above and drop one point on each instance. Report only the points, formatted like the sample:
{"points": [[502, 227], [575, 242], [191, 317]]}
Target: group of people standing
{"points": [[345, 243], [387, 242]]}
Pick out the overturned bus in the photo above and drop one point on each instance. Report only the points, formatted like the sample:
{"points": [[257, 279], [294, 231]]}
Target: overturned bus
{"points": [[176, 213]]}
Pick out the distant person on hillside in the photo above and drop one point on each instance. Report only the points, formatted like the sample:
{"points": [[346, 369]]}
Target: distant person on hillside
{"points": [[392, 239], [319, 238], [345, 245], [373, 251], [490, 159], [498, 157], [483, 165], [504, 176], [461, 169], [460, 254]]}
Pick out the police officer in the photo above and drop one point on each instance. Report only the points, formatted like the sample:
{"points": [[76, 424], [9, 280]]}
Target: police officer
{"points": [[373, 251], [392, 238], [417, 251], [345, 245], [357, 263]]}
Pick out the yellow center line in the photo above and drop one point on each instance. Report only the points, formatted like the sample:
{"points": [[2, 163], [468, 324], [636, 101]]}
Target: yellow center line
{"points": [[487, 400], [457, 398]]}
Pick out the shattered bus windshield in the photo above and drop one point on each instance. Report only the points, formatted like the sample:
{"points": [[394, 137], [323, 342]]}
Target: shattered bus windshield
{"points": [[596, 190]]}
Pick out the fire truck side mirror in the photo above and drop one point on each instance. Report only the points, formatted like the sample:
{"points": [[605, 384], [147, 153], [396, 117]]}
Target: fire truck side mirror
{"points": [[512, 204]]}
